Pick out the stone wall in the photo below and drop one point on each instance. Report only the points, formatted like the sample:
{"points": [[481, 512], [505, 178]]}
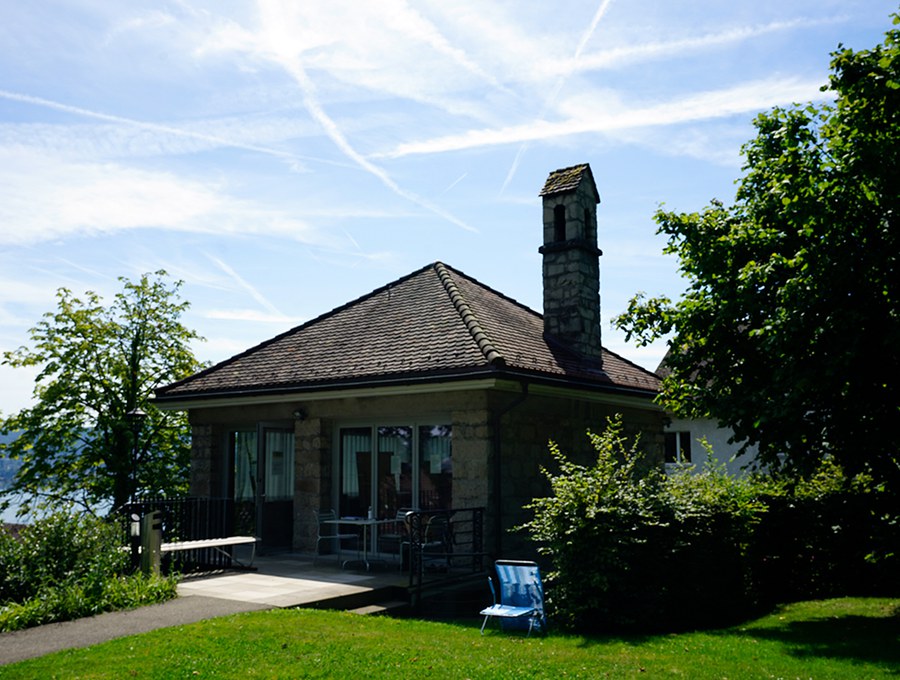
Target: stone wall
{"points": [[526, 432], [312, 478], [525, 428]]}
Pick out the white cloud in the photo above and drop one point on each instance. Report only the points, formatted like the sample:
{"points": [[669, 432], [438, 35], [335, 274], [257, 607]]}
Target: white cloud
{"points": [[654, 51], [45, 197], [111, 141], [18, 384], [288, 31], [205, 137], [142, 23], [242, 283], [608, 115]]}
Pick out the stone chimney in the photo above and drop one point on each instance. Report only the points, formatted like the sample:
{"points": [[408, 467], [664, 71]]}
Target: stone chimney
{"points": [[572, 261]]}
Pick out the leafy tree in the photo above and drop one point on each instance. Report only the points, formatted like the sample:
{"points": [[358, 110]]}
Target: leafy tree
{"points": [[99, 364], [790, 327]]}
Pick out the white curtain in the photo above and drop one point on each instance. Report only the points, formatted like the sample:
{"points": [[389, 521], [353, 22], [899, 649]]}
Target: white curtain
{"points": [[244, 466], [279, 465]]}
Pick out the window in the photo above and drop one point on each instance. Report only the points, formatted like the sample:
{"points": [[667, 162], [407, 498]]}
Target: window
{"points": [[678, 447], [559, 223], [274, 470], [279, 457], [395, 478]]}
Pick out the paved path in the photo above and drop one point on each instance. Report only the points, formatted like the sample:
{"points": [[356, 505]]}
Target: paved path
{"points": [[53, 637], [283, 581]]}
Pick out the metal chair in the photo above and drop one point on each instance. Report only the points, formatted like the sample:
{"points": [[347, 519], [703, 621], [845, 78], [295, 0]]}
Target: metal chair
{"points": [[329, 532], [397, 534], [521, 602]]}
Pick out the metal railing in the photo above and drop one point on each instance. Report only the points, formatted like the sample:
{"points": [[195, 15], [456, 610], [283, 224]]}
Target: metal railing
{"points": [[444, 546], [188, 519]]}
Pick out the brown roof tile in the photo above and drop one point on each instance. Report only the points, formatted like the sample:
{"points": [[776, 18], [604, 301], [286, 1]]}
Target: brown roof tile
{"points": [[435, 323]]}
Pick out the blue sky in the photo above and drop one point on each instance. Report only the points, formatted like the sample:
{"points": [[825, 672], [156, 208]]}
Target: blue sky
{"points": [[283, 158]]}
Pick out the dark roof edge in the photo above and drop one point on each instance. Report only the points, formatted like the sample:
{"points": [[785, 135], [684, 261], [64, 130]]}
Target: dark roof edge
{"points": [[646, 371], [499, 372], [491, 354]]}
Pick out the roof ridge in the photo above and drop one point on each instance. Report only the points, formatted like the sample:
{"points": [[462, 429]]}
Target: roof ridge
{"points": [[493, 356]]}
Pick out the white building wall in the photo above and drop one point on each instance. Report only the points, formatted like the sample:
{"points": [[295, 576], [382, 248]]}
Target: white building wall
{"points": [[717, 437]]}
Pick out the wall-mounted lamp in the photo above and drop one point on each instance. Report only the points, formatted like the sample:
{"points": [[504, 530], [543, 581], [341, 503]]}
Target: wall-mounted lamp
{"points": [[299, 414]]}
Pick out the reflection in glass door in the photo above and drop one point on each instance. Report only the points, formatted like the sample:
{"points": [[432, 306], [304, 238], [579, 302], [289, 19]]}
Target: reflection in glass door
{"points": [[395, 478], [246, 474], [263, 482], [394, 470], [435, 468], [276, 521]]}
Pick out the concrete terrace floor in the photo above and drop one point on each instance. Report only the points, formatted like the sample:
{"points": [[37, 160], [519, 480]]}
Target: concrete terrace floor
{"points": [[293, 580]]}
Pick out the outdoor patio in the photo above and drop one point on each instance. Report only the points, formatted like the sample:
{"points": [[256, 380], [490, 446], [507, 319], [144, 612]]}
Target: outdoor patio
{"points": [[292, 580]]}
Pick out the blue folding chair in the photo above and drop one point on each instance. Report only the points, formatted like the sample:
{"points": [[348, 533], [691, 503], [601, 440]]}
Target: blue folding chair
{"points": [[521, 605]]}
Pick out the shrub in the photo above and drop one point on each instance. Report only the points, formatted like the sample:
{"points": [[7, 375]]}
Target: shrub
{"points": [[595, 527], [66, 566], [642, 550], [77, 600], [669, 552], [826, 535]]}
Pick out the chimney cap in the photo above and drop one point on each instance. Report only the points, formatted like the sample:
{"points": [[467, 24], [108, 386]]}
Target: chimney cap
{"points": [[567, 179]]}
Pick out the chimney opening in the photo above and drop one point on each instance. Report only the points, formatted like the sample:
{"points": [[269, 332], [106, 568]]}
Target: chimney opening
{"points": [[559, 223]]}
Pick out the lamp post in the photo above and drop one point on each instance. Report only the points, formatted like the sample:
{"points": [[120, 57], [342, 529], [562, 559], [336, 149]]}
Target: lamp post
{"points": [[136, 418]]}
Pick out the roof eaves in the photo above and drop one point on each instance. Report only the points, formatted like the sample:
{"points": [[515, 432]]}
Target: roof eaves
{"points": [[327, 385]]}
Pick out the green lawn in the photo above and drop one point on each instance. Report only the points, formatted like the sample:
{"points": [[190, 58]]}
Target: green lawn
{"points": [[843, 638]]}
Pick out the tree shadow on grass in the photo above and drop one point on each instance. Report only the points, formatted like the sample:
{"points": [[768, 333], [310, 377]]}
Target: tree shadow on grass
{"points": [[849, 637]]}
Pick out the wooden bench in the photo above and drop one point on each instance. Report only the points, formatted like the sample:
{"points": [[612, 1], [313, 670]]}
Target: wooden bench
{"points": [[215, 544]]}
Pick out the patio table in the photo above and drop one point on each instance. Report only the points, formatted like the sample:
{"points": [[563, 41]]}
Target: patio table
{"points": [[365, 524]]}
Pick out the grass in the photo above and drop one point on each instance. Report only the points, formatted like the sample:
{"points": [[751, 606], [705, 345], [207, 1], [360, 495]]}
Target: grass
{"points": [[842, 638]]}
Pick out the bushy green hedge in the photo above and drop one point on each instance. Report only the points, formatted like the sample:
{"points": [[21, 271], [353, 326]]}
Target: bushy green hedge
{"points": [[667, 552], [67, 566], [826, 536]]}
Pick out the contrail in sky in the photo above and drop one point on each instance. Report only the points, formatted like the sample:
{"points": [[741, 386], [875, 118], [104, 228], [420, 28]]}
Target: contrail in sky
{"points": [[598, 15], [238, 279], [334, 133], [155, 127]]}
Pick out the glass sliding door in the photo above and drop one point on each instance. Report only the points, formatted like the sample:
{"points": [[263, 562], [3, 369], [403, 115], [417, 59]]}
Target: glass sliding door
{"points": [[243, 449], [277, 488], [412, 467], [394, 473], [263, 484], [435, 467], [354, 471]]}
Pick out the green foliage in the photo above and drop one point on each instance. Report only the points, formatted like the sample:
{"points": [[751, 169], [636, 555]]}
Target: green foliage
{"points": [[787, 332], [60, 549], [702, 548], [66, 566], [78, 600], [586, 526], [98, 363], [632, 549], [828, 534]]}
